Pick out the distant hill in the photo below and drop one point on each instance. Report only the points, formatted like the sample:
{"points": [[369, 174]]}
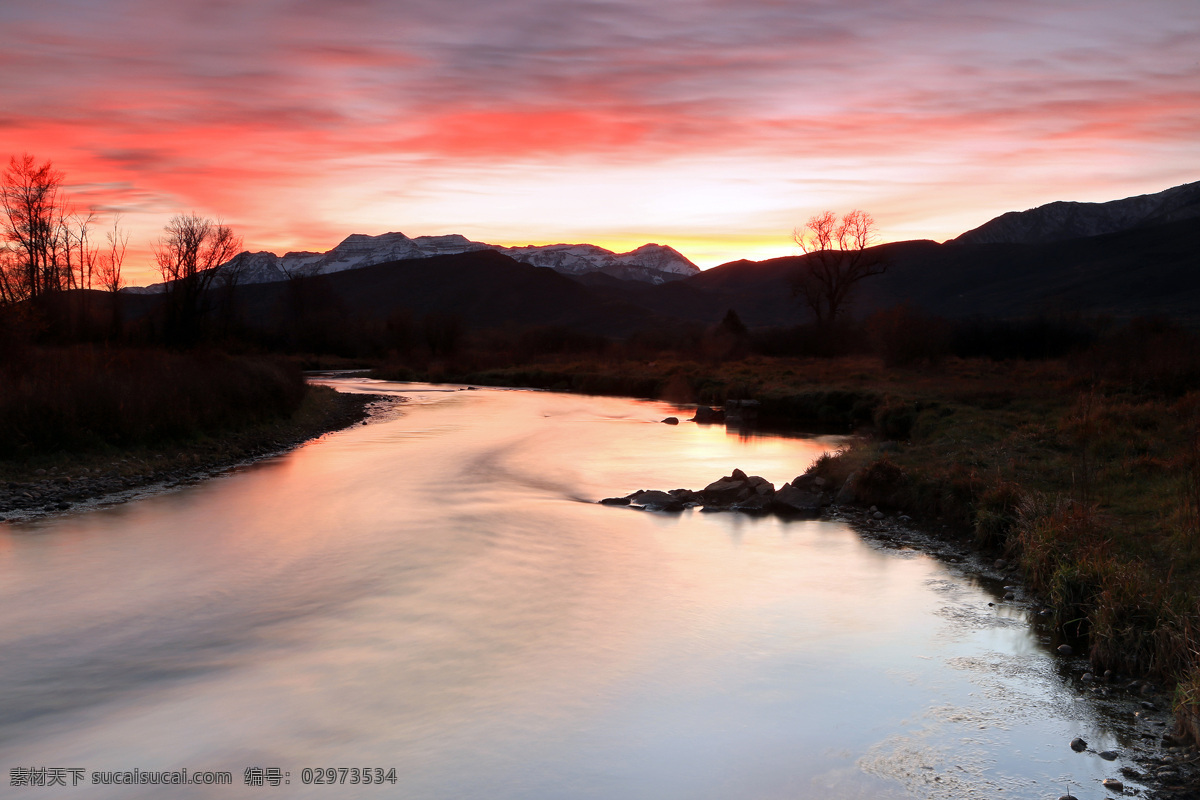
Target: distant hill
{"points": [[483, 288], [1068, 220], [1152, 269]]}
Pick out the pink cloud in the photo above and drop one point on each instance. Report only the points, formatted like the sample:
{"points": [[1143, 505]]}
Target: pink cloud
{"points": [[254, 110]]}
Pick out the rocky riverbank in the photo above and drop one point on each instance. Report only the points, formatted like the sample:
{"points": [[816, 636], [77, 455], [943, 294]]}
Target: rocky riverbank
{"points": [[61, 483], [804, 496]]}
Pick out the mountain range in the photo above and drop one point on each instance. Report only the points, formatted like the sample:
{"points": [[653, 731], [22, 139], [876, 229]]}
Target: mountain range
{"points": [[1131, 257], [651, 263]]}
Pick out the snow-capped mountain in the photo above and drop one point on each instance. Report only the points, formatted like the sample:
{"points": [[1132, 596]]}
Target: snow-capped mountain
{"points": [[651, 263]]}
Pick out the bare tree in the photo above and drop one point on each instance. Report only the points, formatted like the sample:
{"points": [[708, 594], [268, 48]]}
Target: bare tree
{"points": [[82, 253], [13, 287], [34, 225], [109, 272], [190, 256], [838, 257], [113, 259]]}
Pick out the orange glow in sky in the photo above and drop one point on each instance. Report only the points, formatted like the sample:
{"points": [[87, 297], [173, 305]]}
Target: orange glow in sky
{"points": [[711, 127]]}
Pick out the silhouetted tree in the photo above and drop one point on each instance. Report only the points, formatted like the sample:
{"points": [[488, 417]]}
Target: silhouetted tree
{"points": [[837, 259], [12, 282], [732, 324], [113, 258], [34, 228], [190, 256], [109, 272], [728, 339], [82, 256]]}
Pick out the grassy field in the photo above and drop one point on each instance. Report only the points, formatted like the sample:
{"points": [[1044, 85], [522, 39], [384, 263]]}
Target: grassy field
{"points": [[1085, 471]]}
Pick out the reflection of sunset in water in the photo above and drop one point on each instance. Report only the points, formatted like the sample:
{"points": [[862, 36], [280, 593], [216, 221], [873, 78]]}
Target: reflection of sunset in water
{"points": [[430, 593]]}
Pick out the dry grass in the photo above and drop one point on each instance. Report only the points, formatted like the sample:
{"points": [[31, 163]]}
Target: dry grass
{"points": [[87, 398]]}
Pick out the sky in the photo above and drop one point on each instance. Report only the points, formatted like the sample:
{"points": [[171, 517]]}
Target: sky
{"points": [[712, 126]]}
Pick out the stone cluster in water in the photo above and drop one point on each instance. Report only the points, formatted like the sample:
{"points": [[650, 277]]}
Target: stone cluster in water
{"points": [[806, 495]]}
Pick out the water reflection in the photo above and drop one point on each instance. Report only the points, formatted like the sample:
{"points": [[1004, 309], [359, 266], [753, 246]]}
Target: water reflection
{"points": [[430, 594]]}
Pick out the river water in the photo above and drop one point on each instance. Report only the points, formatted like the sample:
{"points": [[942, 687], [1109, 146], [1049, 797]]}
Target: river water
{"points": [[438, 593]]}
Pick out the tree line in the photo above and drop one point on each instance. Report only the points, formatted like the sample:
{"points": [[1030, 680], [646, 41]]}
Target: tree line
{"points": [[48, 247]]}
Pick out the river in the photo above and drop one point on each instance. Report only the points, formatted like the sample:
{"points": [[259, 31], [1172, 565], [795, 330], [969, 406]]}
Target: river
{"points": [[439, 594]]}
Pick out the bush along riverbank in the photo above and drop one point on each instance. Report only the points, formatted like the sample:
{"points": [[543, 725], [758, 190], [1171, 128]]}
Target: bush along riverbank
{"points": [[1083, 474], [78, 424]]}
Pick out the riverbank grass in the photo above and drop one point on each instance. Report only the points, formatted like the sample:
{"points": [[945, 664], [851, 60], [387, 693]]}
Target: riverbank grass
{"points": [[77, 423]]}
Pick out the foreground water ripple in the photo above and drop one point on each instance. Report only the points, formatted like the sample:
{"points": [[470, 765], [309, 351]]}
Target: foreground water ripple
{"points": [[439, 593]]}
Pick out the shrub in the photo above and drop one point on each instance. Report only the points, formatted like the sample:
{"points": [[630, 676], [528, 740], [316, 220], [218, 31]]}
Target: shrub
{"points": [[63, 399], [905, 336]]}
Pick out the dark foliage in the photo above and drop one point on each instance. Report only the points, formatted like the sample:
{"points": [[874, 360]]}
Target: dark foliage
{"points": [[904, 336], [82, 397], [1149, 354], [1035, 338], [843, 338]]}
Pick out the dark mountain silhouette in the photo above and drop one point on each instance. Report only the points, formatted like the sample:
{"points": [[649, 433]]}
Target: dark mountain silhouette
{"points": [[1150, 266], [1068, 220], [1148, 270], [484, 288]]}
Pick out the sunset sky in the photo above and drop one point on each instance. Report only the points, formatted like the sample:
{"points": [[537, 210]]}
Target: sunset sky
{"points": [[714, 127]]}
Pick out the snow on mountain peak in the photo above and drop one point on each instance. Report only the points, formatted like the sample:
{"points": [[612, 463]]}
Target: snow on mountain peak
{"points": [[651, 263]]}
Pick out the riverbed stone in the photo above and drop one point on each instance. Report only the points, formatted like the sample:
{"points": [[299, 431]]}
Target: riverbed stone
{"points": [[730, 489], [848, 493], [1108, 755], [671, 420], [808, 482], [1078, 745], [655, 500], [708, 416], [687, 496], [1065, 650], [1113, 785], [795, 500], [754, 503]]}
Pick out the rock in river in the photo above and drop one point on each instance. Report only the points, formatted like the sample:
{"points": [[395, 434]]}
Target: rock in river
{"points": [[655, 500], [736, 487], [708, 416], [792, 499]]}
